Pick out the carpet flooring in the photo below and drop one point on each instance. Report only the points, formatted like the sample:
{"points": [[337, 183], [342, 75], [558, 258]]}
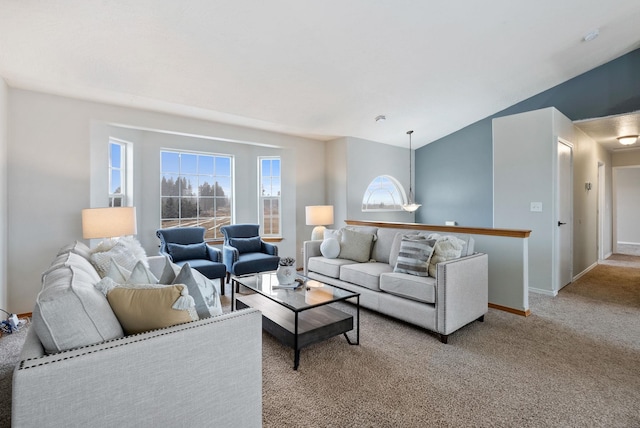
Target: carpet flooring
{"points": [[575, 362]]}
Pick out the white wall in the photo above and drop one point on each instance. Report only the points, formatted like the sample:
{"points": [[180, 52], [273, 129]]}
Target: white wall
{"points": [[53, 157], [627, 181], [3, 197]]}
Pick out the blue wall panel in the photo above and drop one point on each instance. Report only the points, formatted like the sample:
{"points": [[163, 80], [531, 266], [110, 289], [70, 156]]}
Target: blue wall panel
{"points": [[454, 175]]}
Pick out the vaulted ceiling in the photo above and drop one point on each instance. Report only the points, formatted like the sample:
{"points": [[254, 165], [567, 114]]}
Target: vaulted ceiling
{"points": [[319, 69]]}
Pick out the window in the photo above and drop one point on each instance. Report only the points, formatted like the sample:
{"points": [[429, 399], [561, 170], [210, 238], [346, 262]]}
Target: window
{"points": [[384, 193], [196, 190], [117, 173], [269, 198]]}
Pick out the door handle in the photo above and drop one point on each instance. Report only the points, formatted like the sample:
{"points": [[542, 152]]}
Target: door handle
{"points": [[561, 223]]}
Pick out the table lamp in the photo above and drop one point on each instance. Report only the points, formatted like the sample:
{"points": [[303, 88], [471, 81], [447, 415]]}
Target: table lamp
{"points": [[319, 216], [108, 222]]}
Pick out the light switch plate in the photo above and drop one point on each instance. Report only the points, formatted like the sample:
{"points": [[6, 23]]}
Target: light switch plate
{"points": [[536, 207]]}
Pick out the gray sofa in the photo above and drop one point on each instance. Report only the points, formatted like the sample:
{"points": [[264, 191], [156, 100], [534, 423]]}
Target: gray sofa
{"points": [[200, 373], [455, 297]]}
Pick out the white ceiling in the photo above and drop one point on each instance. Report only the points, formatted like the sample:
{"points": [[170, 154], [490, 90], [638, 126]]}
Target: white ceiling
{"points": [[318, 69]]}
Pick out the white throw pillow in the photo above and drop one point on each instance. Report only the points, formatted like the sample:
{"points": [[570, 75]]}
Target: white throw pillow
{"points": [[330, 248], [446, 248]]}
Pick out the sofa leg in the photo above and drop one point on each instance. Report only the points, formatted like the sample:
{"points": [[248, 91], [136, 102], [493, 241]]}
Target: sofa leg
{"points": [[444, 338], [481, 319]]}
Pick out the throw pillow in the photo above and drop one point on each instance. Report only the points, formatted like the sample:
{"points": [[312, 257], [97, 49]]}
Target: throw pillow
{"points": [[168, 274], [141, 275], [202, 290], [330, 248], [117, 273], [120, 252], [333, 233], [247, 245], [446, 248], [414, 254], [180, 252], [142, 309], [355, 246]]}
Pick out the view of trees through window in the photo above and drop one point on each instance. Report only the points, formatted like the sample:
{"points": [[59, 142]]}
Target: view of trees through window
{"points": [[196, 190]]}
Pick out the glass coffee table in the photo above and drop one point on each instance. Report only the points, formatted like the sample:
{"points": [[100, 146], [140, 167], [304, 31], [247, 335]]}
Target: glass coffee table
{"points": [[300, 316]]}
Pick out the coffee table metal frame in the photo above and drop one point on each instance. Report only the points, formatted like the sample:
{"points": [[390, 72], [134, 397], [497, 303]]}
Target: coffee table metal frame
{"points": [[313, 321]]}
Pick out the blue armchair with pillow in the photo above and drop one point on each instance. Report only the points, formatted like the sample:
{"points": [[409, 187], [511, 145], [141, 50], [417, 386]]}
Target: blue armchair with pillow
{"points": [[186, 245], [245, 252]]}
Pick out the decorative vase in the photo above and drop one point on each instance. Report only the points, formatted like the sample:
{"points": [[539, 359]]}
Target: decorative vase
{"points": [[286, 274]]}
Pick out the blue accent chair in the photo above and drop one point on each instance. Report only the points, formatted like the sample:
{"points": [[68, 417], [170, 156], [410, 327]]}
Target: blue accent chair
{"points": [[244, 252], [184, 245]]}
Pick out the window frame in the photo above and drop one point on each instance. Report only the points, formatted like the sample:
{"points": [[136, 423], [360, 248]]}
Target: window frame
{"points": [[268, 230], [374, 187], [211, 224]]}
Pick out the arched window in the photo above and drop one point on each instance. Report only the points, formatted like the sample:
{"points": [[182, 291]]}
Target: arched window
{"points": [[384, 193]]}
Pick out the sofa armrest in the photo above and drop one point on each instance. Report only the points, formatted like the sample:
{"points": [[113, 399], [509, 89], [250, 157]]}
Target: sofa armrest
{"points": [[202, 373], [462, 292], [310, 249]]}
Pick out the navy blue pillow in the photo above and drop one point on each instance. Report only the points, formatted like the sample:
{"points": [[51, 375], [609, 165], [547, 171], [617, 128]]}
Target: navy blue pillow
{"points": [[181, 252], [247, 245]]}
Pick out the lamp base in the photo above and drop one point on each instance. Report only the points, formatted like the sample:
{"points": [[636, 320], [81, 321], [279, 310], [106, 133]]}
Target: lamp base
{"points": [[318, 233]]}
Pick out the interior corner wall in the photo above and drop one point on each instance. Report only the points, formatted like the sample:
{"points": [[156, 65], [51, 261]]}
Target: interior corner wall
{"points": [[352, 164], [4, 132], [612, 88], [50, 174], [628, 205]]}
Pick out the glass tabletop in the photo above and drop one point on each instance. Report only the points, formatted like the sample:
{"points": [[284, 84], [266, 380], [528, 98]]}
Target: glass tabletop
{"points": [[308, 293]]}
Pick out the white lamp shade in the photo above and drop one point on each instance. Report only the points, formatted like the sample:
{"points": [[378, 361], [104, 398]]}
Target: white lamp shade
{"points": [[628, 140], [319, 215], [108, 222]]}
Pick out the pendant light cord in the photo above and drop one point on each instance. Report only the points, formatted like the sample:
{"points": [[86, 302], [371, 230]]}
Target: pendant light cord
{"points": [[410, 179]]}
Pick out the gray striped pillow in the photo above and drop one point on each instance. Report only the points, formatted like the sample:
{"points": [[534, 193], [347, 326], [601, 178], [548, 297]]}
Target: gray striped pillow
{"points": [[413, 257]]}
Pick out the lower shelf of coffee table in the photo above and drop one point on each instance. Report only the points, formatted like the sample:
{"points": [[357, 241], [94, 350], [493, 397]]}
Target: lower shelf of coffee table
{"points": [[314, 325]]}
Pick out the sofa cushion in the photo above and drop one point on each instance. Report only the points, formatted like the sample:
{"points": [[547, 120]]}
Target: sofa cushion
{"points": [[142, 308], [446, 248], [364, 274], [419, 288], [327, 267], [180, 252], [70, 312], [414, 254], [330, 248], [355, 246], [76, 260], [247, 245], [77, 247]]}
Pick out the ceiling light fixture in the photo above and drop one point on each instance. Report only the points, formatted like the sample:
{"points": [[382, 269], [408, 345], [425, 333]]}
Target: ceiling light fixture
{"points": [[410, 206], [628, 139], [381, 118]]}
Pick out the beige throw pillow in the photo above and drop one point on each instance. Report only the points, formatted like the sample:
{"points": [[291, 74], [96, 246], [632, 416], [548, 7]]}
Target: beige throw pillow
{"points": [[446, 248], [144, 309]]}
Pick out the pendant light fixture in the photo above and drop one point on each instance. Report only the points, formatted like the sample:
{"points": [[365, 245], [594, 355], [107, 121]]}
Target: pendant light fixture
{"points": [[410, 206]]}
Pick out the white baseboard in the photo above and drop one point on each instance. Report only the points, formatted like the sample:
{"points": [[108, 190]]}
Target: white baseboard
{"points": [[575, 278], [609, 254], [545, 292], [628, 243]]}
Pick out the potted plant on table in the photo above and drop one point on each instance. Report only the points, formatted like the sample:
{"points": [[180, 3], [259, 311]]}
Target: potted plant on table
{"points": [[286, 272]]}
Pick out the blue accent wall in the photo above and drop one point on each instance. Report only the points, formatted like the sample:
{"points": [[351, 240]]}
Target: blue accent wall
{"points": [[454, 175]]}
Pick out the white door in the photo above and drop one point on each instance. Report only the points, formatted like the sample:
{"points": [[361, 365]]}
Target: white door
{"points": [[564, 247]]}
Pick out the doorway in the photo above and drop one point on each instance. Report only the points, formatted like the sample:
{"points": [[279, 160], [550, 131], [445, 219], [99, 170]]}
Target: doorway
{"points": [[564, 216]]}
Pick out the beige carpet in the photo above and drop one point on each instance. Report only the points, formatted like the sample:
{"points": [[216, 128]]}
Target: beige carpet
{"points": [[574, 362]]}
